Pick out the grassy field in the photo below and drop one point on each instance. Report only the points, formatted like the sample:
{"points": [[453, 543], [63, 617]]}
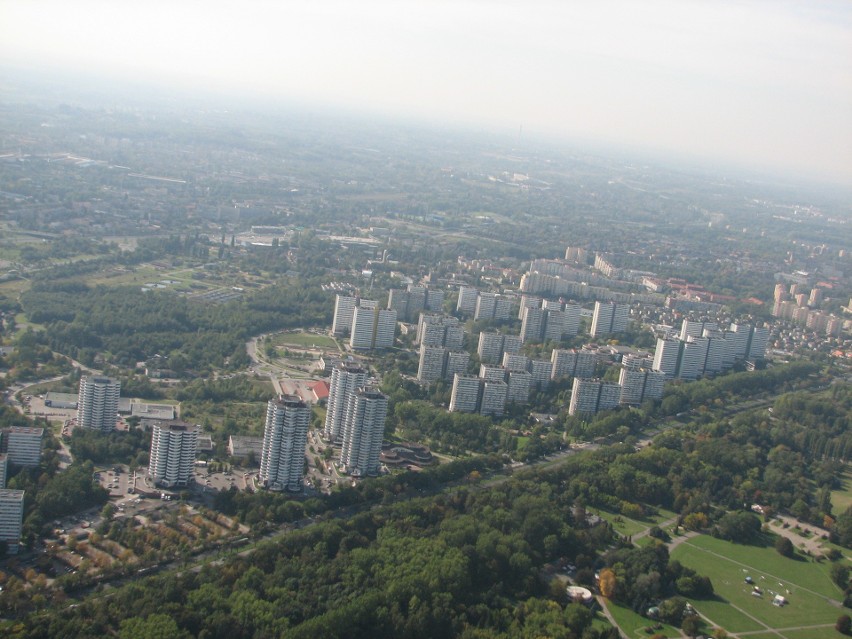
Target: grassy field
{"points": [[804, 583], [626, 526], [634, 624], [305, 340], [842, 499]]}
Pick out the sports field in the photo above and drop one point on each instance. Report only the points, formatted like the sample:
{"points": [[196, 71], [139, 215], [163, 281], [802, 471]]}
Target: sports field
{"points": [[813, 600]]}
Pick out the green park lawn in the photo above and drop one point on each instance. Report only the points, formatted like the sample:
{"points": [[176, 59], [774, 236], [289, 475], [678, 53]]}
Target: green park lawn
{"points": [[842, 499], [806, 585], [634, 624], [306, 340], [627, 526]]}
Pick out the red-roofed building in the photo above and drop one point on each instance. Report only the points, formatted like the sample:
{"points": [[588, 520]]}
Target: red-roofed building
{"points": [[319, 391]]}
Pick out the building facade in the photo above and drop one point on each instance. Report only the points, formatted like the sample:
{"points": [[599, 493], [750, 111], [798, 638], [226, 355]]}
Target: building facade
{"points": [[174, 445], [345, 380], [285, 435], [22, 445], [363, 432], [97, 403], [11, 517]]}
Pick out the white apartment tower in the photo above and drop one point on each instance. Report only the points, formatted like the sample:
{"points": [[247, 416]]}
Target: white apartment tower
{"points": [[174, 445], [457, 362], [667, 356], [493, 397], [363, 431], [431, 365], [97, 403], [490, 347], [609, 318], [637, 385], [372, 328], [285, 434], [532, 326], [344, 309], [467, 300], [22, 445], [486, 303], [540, 372], [11, 517], [520, 383], [465, 395], [588, 396], [4, 469], [345, 380]]}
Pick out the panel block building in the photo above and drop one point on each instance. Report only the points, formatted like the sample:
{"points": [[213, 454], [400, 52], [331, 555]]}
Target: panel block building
{"points": [[285, 435]]}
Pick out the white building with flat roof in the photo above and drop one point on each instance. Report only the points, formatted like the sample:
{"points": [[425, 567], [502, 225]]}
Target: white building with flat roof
{"points": [[465, 395], [363, 432], [345, 380], [285, 435], [97, 403], [22, 445], [174, 445], [11, 517]]}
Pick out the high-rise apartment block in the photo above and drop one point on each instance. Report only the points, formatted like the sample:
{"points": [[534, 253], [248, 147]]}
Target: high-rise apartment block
{"points": [[285, 434], [540, 373], [494, 394], [363, 431], [493, 306], [519, 386], [432, 359], [609, 318], [97, 403], [440, 330], [465, 394], [467, 300], [344, 310], [174, 445], [457, 362], [704, 349], [437, 362], [492, 346], [589, 396], [414, 300], [4, 469], [11, 517], [516, 362], [22, 445], [372, 328], [345, 380], [572, 363], [637, 385], [485, 394]]}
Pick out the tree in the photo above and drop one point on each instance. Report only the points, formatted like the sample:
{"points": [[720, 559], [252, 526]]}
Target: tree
{"points": [[840, 575], [155, 626], [784, 547], [607, 583], [691, 625], [844, 624]]}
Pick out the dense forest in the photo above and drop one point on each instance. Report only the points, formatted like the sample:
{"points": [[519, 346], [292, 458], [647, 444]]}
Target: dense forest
{"points": [[130, 325]]}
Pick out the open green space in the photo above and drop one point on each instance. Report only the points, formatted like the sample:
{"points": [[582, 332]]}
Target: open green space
{"points": [[805, 584], [304, 340], [627, 526], [841, 499], [634, 624], [804, 633]]}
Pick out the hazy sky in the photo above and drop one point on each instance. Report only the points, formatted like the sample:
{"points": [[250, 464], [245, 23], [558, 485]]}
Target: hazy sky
{"points": [[765, 84]]}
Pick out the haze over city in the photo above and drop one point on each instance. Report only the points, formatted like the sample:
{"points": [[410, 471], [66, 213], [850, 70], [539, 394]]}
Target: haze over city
{"points": [[757, 85]]}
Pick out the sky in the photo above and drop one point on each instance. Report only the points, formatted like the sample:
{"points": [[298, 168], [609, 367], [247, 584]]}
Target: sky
{"points": [[765, 85]]}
